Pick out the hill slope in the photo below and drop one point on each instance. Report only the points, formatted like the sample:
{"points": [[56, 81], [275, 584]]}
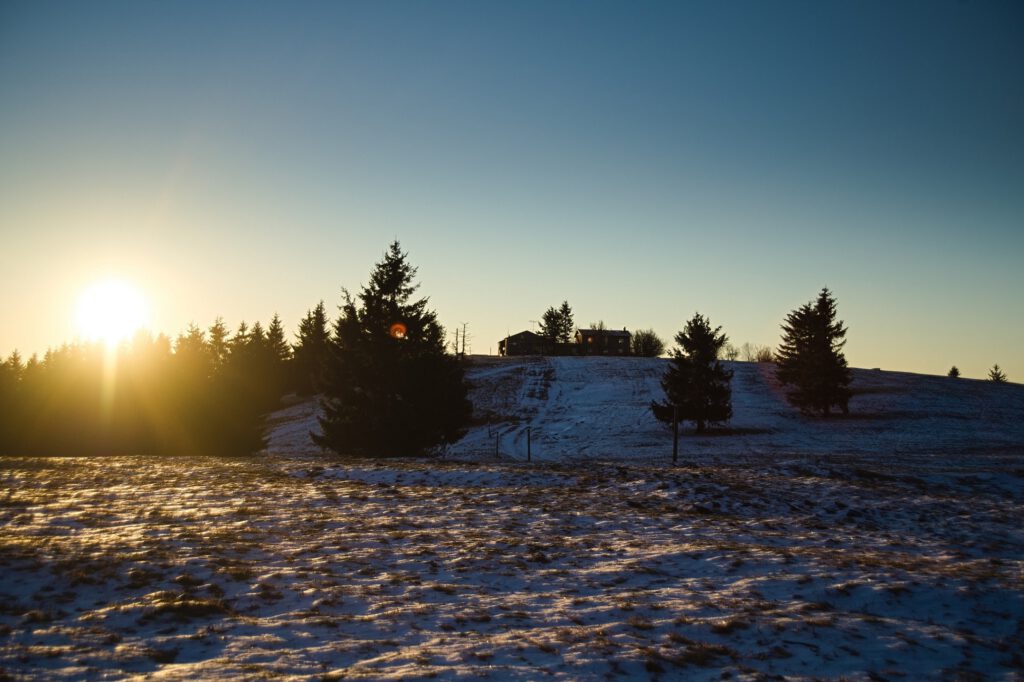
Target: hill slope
{"points": [[598, 408]]}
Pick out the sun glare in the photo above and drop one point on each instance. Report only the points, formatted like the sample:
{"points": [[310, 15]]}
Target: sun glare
{"points": [[110, 311]]}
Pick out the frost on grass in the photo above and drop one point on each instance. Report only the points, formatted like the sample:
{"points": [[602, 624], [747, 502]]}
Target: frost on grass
{"points": [[797, 565]]}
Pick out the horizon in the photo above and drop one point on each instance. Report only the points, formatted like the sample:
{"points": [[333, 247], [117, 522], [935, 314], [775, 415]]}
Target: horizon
{"points": [[642, 163]]}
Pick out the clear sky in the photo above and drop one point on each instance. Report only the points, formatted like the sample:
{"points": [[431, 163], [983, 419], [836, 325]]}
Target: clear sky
{"points": [[643, 161]]}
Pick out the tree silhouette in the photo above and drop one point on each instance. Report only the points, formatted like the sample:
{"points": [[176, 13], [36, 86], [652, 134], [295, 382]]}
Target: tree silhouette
{"points": [[997, 375], [218, 338], [810, 358], [954, 372], [566, 325], [695, 383], [279, 348], [311, 351], [647, 344], [389, 387], [557, 325]]}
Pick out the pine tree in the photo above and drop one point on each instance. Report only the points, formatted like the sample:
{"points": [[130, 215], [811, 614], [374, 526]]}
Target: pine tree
{"points": [[566, 326], [389, 388], [276, 340], [954, 372], [551, 327], [11, 372], [810, 357], [240, 340], [997, 375], [695, 383], [557, 326], [257, 337], [191, 352], [218, 343], [311, 351]]}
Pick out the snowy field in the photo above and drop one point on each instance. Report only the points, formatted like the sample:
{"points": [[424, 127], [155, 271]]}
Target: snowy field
{"points": [[884, 546]]}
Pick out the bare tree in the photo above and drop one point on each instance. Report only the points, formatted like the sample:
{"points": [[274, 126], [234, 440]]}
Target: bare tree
{"points": [[753, 352]]}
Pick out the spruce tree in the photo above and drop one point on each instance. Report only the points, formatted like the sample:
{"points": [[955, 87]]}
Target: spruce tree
{"points": [[218, 343], [389, 387], [276, 341], [551, 328], [810, 358], [954, 372], [695, 383], [997, 375], [11, 372], [566, 326], [240, 340], [311, 351], [557, 326]]}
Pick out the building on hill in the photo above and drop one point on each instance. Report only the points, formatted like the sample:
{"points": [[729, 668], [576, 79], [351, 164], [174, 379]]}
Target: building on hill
{"points": [[523, 343], [602, 342], [586, 342]]}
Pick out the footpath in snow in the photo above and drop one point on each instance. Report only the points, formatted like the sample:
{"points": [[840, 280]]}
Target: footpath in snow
{"points": [[597, 408]]}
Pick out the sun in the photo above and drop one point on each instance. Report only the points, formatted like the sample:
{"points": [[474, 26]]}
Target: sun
{"points": [[110, 311]]}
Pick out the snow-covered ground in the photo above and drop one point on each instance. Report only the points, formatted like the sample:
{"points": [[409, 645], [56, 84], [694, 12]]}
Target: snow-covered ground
{"points": [[598, 408], [884, 546]]}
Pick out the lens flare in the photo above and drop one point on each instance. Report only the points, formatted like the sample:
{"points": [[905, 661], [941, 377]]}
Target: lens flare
{"points": [[398, 330]]}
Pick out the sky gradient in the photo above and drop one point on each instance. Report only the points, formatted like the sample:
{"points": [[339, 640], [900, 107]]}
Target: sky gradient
{"points": [[644, 161]]}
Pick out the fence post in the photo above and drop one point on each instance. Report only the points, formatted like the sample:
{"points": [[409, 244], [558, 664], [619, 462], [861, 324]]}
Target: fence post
{"points": [[528, 444], [675, 434]]}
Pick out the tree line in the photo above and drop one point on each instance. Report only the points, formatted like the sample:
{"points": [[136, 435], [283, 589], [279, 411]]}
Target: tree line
{"points": [[385, 382], [204, 392], [387, 385]]}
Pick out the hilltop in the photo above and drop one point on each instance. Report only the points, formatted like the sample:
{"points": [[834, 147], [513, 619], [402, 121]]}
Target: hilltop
{"points": [[597, 408]]}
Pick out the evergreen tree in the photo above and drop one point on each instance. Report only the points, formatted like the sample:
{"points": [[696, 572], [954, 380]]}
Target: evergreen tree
{"points": [[276, 340], [280, 357], [954, 372], [566, 325], [240, 340], [218, 343], [557, 325], [810, 358], [311, 351], [696, 383], [551, 327], [257, 337], [646, 344], [11, 372], [191, 352], [997, 375], [389, 388]]}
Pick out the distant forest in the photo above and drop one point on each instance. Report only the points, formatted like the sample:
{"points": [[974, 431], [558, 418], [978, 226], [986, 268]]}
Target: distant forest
{"points": [[203, 393]]}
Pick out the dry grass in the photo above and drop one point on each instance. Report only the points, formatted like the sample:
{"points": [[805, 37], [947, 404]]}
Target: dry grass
{"points": [[457, 570]]}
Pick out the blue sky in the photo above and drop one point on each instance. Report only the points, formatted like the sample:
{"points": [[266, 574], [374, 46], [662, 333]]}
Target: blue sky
{"points": [[642, 160]]}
